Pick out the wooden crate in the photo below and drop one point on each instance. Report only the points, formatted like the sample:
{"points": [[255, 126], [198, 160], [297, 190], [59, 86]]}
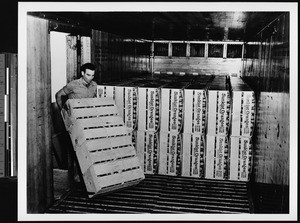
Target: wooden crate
{"points": [[216, 157], [148, 108], [126, 101], [170, 145], [240, 158], [147, 150], [171, 113], [194, 111], [243, 111], [193, 155], [103, 146], [218, 112]]}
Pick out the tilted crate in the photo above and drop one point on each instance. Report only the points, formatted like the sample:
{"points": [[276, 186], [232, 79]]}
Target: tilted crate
{"points": [[103, 145]]}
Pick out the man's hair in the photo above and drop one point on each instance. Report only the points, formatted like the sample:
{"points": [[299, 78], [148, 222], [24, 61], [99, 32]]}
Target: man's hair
{"points": [[85, 66]]}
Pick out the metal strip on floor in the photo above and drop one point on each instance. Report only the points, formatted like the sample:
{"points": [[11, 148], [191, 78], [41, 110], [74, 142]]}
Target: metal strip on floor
{"points": [[162, 194]]}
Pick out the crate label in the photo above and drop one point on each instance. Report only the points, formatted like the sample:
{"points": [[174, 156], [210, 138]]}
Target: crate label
{"points": [[223, 112], [175, 109], [219, 155], [199, 109], [197, 151], [172, 154], [104, 91], [152, 109], [247, 113], [149, 147], [243, 164], [129, 107], [216, 157], [240, 158]]}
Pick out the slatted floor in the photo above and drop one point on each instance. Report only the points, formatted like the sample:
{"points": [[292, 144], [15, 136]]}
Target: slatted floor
{"points": [[162, 194]]}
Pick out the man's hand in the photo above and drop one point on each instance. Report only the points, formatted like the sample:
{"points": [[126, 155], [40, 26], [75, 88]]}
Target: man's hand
{"points": [[58, 97]]}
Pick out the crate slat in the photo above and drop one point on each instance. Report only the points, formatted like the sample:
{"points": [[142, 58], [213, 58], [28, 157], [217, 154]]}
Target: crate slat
{"points": [[98, 122], [94, 112], [87, 159], [109, 168], [86, 102], [99, 144]]}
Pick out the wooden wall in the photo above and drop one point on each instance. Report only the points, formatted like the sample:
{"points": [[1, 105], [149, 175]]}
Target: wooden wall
{"points": [[267, 72], [39, 158], [198, 65], [204, 58], [117, 58]]}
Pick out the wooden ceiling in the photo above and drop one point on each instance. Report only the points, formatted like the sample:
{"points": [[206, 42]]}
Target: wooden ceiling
{"points": [[197, 26]]}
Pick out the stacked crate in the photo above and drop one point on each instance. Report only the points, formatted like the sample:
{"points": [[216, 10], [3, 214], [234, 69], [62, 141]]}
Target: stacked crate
{"points": [[148, 125], [102, 144], [108, 89], [242, 125], [216, 161], [125, 95], [171, 124], [193, 147]]}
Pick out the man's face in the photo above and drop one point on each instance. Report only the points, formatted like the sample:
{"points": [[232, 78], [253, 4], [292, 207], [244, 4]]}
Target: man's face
{"points": [[88, 75]]}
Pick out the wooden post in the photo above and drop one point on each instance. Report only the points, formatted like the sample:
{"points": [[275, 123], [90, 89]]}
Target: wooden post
{"points": [[39, 156], [225, 51], [71, 58], [206, 50], [152, 59], [170, 49], [188, 49]]}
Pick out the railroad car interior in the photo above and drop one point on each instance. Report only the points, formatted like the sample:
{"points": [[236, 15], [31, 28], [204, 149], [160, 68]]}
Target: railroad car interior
{"points": [[159, 55]]}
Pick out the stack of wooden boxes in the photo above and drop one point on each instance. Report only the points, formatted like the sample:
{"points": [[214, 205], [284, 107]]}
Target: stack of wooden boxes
{"points": [[171, 125], [102, 144], [194, 129], [219, 102], [148, 125], [242, 126], [191, 126]]}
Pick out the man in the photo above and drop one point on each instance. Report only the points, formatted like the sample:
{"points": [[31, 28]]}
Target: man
{"points": [[83, 87]]}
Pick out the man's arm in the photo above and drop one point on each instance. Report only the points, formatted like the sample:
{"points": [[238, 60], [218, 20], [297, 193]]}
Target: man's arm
{"points": [[58, 97]]}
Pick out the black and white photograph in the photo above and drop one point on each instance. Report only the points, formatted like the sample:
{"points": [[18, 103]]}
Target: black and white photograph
{"points": [[150, 111]]}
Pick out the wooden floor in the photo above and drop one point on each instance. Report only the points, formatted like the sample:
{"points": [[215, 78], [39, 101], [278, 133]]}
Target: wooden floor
{"points": [[161, 194]]}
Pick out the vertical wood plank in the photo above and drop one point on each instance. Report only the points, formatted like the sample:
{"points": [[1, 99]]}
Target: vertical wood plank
{"points": [[71, 58], [188, 50], [206, 50], [170, 49], [272, 139], [39, 158]]}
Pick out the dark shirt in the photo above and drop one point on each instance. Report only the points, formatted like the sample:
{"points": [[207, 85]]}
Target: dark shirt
{"points": [[79, 89]]}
